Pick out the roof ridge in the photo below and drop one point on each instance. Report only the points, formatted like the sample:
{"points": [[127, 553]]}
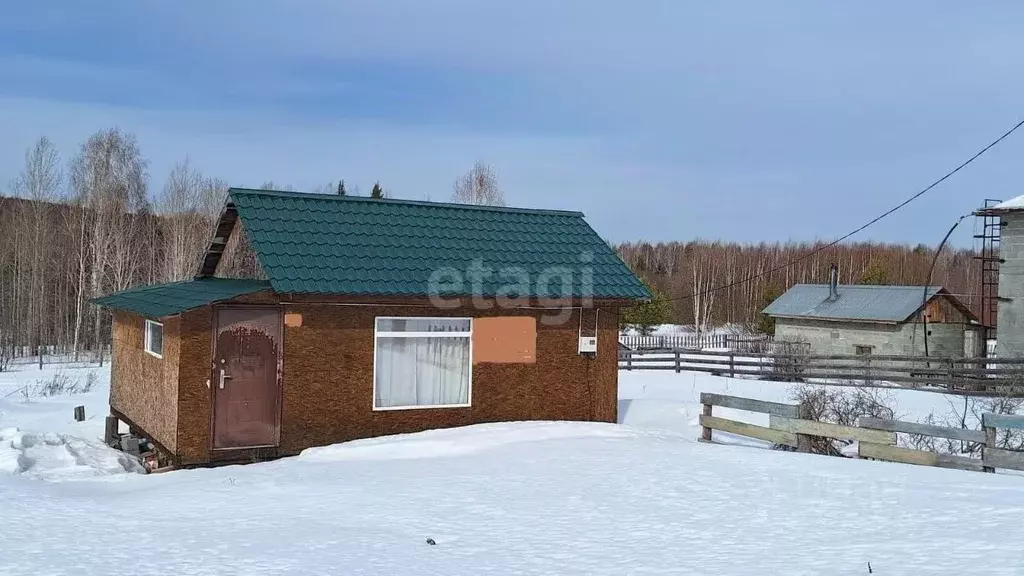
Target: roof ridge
{"points": [[424, 203], [874, 286]]}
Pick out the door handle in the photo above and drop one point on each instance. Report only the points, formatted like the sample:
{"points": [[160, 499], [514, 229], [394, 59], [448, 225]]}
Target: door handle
{"points": [[223, 377]]}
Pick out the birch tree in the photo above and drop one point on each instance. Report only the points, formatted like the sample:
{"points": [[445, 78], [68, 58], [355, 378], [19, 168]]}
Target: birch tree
{"points": [[478, 186], [187, 205], [39, 183], [109, 180]]}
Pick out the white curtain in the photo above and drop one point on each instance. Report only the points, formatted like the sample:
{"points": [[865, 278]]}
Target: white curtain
{"points": [[422, 371]]}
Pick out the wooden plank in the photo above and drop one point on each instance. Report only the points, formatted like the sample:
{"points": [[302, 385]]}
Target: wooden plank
{"points": [[960, 463], [790, 410], [999, 458], [751, 430], [829, 430], [924, 429], [918, 457], [990, 420], [894, 454]]}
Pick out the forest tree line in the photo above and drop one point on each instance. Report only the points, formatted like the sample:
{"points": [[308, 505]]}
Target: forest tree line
{"points": [[71, 231], [74, 230], [706, 284]]}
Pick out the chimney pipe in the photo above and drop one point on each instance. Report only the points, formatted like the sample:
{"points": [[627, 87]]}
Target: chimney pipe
{"points": [[833, 282]]}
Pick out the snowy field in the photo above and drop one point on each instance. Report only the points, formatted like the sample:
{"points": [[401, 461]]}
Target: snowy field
{"points": [[520, 498]]}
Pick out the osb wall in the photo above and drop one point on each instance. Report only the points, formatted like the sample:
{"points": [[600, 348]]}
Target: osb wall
{"points": [[144, 388], [328, 378]]}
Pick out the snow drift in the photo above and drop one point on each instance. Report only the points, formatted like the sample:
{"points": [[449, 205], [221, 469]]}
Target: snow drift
{"points": [[54, 457]]}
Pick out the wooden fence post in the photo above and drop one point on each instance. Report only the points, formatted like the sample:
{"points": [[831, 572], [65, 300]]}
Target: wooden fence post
{"points": [[79, 413], [679, 366], [732, 365], [951, 374], [101, 355], [40, 356], [990, 442], [629, 360], [803, 441], [705, 432]]}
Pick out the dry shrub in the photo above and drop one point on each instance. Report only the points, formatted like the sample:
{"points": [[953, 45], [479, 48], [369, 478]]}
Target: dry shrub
{"points": [[91, 379], [968, 416], [788, 360], [842, 406], [60, 384]]}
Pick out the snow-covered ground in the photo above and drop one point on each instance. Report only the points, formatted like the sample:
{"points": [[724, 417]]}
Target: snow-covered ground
{"points": [[517, 498], [686, 329], [39, 437]]}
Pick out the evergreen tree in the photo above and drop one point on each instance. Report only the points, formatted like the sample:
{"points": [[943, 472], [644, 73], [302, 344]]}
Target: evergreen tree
{"points": [[874, 273], [341, 187], [649, 314], [377, 191], [765, 323]]}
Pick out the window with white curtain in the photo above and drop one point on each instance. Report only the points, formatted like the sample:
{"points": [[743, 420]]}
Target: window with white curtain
{"points": [[422, 363]]}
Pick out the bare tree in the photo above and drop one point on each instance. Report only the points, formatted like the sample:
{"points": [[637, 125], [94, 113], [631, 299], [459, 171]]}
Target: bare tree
{"points": [[704, 274], [109, 179], [39, 183], [188, 205], [478, 186]]}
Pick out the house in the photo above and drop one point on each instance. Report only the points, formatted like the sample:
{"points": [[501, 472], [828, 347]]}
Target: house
{"points": [[365, 317], [1003, 257], [875, 320]]}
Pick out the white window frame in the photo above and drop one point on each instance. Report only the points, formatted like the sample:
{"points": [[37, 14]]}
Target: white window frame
{"points": [[376, 333], [147, 343]]}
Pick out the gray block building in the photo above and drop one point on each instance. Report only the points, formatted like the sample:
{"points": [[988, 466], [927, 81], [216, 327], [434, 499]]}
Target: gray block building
{"points": [[1009, 320], [876, 320]]}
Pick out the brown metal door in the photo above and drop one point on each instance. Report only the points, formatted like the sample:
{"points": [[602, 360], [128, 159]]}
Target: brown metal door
{"points": [[245, 377]]}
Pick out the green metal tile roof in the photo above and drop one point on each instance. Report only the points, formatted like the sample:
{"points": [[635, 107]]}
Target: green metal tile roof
{"points": [[326, 244], [166, 299]]}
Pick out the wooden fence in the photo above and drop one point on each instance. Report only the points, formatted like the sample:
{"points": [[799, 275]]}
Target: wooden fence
{"points": [[46, 355], [876, 437], [687, 341], [939, 374], [759, 343]]}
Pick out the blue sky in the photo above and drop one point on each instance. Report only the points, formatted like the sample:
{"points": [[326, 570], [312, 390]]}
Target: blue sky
{"points": [[661, 120]]}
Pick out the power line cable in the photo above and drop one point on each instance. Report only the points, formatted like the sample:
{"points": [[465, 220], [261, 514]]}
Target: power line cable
{"points": [[859, 229], [927, 283]]}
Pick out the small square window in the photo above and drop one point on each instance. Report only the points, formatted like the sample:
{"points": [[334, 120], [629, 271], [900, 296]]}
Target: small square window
{"points": [[155, 338], [863, 350]]}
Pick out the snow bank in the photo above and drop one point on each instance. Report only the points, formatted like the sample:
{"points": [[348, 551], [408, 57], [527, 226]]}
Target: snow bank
{"points": [[670, 401], [57, 457], [455, 441], [39, 437]]}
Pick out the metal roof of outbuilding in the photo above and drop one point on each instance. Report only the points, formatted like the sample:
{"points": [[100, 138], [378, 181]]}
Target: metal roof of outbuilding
{"points": [[867, 303]]}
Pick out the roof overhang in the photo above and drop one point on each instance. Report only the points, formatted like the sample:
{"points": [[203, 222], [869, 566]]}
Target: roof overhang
{"points": [[161, 300], [831, 319]]}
